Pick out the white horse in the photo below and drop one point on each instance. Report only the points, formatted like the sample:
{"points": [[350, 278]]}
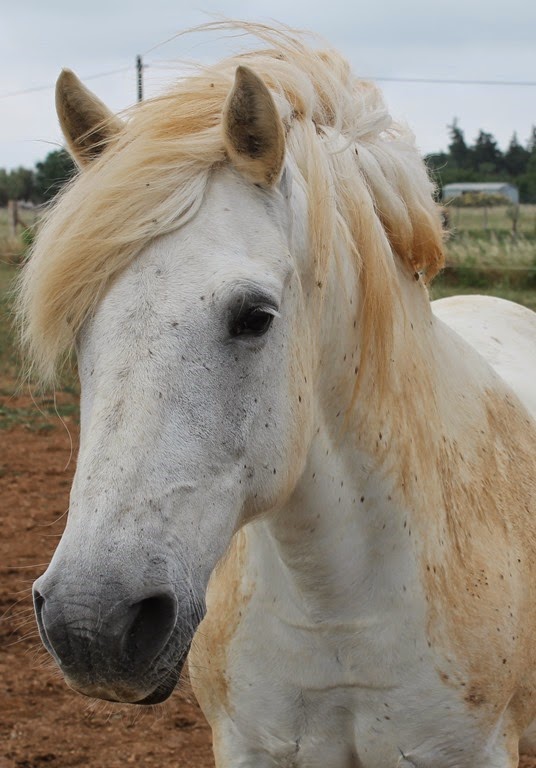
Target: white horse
{"points": [[272, 416]]}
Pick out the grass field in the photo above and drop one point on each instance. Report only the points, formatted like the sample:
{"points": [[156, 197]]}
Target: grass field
{"points": [[491, 252], [497, 219], [18, 404], [494, 264], [12, 248], [9, 364]]}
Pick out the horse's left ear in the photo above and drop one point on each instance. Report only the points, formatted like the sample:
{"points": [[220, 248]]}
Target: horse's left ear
{"points": [[253, 130], [87, 123]]}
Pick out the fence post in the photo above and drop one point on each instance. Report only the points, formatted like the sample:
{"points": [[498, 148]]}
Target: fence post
{"points": [[12, 217]]}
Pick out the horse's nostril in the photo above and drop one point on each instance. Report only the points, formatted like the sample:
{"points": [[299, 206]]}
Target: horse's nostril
{"points": [[151, 623], [90, 642], [39, 602], [39, 605]]}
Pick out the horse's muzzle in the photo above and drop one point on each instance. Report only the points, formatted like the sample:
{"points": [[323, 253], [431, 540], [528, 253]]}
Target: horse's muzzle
{"points": [[113, 647]]}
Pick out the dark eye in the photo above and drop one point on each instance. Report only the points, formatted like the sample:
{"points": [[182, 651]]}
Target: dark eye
{"points": [[253, 322]]}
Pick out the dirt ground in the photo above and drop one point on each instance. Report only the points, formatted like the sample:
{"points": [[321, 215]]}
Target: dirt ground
{"points": [[43, 723]]}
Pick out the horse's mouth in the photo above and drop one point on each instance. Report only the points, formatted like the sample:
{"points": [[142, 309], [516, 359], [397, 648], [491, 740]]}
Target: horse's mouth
{"points": [[130, 693], [164, 689], [161, 693]]}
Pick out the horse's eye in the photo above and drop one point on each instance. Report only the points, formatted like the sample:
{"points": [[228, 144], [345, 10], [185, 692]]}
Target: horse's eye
{"points": [[253, 322]]}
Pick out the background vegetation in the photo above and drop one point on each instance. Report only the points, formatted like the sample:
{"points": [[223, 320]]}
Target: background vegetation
{"points": [[485, 161], [39, 184]]}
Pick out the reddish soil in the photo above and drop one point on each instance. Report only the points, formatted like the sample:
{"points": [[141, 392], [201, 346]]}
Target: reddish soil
{"points": [[43, 723]]}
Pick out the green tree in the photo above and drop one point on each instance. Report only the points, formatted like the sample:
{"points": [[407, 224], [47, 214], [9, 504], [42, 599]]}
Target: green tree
{"points": [[21, 184], [51, 174], [516, 157], [527, 182], [458, 150], [486, 155], [436, 161], [4, 187], [531, 143]]}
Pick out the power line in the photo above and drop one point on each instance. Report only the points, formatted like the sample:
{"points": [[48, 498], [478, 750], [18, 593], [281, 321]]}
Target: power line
{"points": [[38, 88], [438, 81], [165, 64], [162, 64]]}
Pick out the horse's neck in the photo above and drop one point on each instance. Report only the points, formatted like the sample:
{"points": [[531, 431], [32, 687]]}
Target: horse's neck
{"points": [[373, 490], [348, 523], [338, 535]]}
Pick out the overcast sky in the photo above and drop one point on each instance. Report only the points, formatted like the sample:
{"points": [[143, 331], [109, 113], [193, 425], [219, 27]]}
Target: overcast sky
{"points": [[458, 39]]}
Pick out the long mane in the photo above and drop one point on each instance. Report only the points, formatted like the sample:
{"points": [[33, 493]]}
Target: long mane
{"points": [[366, 185]]}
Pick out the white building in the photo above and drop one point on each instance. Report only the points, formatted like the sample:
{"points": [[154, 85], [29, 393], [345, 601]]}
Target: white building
{"points": [[502, 188]]}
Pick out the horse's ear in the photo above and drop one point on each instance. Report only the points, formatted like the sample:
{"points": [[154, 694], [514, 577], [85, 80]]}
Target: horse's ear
{"points": [[87, 124], [253, 130]]}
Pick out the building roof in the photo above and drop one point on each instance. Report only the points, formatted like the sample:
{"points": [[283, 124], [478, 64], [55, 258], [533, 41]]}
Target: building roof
{"points": [[475, 186]]}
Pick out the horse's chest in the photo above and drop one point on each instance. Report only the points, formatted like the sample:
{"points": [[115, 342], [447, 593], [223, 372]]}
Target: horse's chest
{"points": [[316, 708], [351, 693], [307, 732], [337, 729]]}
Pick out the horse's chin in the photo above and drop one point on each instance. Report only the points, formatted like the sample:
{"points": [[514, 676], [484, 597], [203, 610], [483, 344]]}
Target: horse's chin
{"points": [[119, 693], [166, 687], [160, 694], [126, 695]]}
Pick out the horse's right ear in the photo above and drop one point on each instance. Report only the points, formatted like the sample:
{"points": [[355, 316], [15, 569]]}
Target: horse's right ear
{"points": [[252, 129], [87, 124]]}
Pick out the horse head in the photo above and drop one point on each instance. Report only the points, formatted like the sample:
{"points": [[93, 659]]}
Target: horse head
{"points": [[196, 375]]}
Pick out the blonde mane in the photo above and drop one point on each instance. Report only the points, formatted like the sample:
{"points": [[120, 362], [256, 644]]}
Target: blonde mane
{"points": [[374, 196]]}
